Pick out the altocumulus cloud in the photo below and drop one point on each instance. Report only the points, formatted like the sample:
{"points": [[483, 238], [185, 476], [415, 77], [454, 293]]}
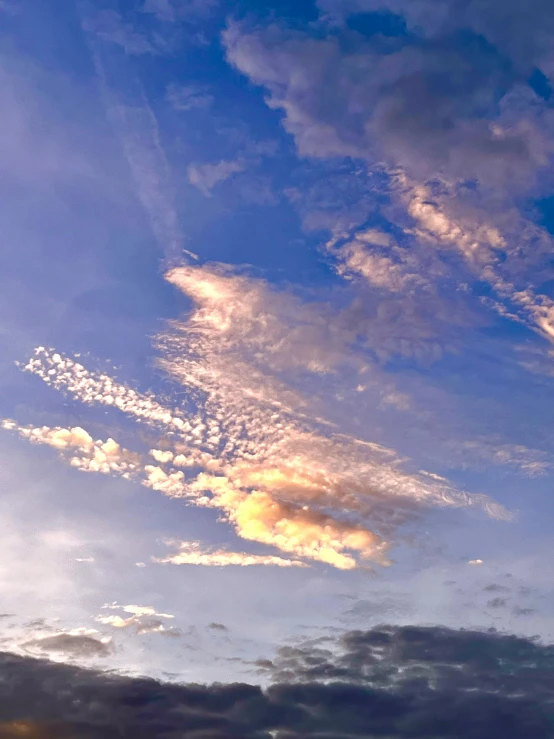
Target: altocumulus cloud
{"points": [[251, 444], [423, 683]]}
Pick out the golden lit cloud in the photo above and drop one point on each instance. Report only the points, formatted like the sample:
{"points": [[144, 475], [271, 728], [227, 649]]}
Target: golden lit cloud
{"points": [[80, 449], [191, 553], [253, 444]]}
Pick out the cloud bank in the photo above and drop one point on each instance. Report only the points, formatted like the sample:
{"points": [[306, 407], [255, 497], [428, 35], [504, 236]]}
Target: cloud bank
{"points": [[389, 681]]}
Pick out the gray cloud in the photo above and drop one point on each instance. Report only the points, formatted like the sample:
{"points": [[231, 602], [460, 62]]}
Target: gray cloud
{"points": [[522, 30], [430, 105], [72, 645], [390, 681]]}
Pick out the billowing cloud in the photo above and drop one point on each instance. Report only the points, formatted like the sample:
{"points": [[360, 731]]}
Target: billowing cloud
{"points": [[402, 681], [430, 107], [522, 33], [80, 449]]}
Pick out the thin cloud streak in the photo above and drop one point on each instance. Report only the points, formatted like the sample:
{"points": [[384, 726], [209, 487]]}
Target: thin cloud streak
{"points": [[192, 553], [136, 124]]}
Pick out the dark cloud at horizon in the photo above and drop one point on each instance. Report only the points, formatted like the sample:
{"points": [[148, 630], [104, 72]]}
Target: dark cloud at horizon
{"points": [[417, 682]]}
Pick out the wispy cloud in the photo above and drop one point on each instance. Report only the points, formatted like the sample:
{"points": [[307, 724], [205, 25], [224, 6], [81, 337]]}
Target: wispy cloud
{"points": [[136, 124], [171, 11], [206, 176], [192, 553], [109, 26], [188, 97]]}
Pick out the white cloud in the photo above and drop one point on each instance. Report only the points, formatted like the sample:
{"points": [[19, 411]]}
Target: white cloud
{"points": [[143, 619], [79, 448]]}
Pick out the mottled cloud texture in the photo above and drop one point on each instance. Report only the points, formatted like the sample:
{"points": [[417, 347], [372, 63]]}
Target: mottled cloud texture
{"points": [[249, 445], [389, 681], [445, 115]]}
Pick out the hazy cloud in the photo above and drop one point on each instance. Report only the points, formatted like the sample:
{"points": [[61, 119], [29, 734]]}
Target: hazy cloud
{"points": [[109, 26], [188, 97], [206, 176]]}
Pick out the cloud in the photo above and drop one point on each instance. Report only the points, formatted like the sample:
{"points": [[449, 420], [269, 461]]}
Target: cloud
{"points": [[143, 619], [135, 122], [171, 11], [109, 26], [429, 105], [401, 681], [71, 645], [253, 447], [188, 97], [459, 129], [259, 516], [191, 553], [523, 34], [91, 388], [138, 610], [80, 450], [206, 176]]}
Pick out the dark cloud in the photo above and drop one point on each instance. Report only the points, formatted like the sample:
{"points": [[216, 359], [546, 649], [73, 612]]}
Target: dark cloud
{"points": [[73, 645], [217, 626], [416, 682], [449, 102], [497, 603], [495, 588], [517, 611], [522, 30]]}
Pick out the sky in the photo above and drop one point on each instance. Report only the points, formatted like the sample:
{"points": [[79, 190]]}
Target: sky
{"points": [[277, 365]]}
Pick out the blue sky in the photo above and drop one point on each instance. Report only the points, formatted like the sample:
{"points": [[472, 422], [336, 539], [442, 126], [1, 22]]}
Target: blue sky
{"points": [[277, 325]]}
